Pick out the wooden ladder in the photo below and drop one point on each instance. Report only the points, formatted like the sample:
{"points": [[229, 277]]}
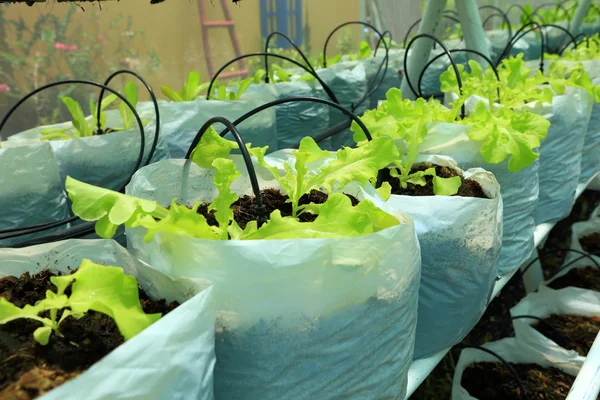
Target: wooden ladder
{"points": [[230, 24]]}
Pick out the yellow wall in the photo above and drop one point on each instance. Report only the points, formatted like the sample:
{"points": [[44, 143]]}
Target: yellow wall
{"points": [[173, 29]]}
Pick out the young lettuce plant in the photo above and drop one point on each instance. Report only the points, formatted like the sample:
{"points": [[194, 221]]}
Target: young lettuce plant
{"points": [[107, 290], [336, 170], [406, 123], [189, 92]]}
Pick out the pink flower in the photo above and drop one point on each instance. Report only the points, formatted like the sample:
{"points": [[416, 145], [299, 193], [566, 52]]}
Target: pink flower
{"points": [[100, 37], [4, 88], [66, 47]]}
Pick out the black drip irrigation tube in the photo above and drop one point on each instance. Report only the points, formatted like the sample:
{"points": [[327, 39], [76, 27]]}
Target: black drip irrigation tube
{"points": [[581, 253], [452, 61], [37, 228], [291, 42], [497, 12], [261, 210], [520, 34], [562, 339], [154, 103], [504, 362]]}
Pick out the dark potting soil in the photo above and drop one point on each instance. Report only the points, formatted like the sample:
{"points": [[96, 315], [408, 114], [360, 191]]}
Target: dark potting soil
{"points": [[244, 208], [584, 278], [469, 188], [28, 369], [591, 243], [494, 381], [570, 331]]}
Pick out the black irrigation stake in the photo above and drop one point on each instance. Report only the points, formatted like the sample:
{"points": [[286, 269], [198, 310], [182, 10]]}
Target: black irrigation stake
{"points": [[560, 28], [497, 12], [575, 43], [459, 51], [261, 54], [563, 340], [261, 210], [518, 35], [152, 97], [21, 231], [308, 65], [463, 112], [504, 362], [337, 28], [417, 22], [583, 255]]}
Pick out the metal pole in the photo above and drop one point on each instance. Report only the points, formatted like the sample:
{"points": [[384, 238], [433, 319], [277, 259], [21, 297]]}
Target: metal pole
{"points": [[472, 27], [421, 50], [582, 10]]}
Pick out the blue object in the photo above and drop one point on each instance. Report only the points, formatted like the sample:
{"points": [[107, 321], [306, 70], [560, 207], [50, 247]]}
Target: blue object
{"points": [[283, 16]]}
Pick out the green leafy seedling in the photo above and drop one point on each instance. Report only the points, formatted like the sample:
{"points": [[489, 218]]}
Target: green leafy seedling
{"points": [[190, 91], [107, 290]]}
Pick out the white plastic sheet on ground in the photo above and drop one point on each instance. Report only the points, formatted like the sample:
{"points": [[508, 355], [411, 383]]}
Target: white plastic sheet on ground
{"points": [[567, 301], [106, 160], [31, 191], [560, 152], [171, 359], [295, 120], [512, 351], [181, 121], [519, 189], [460, 240], [590, 157], [296, 318], [580, 230]]}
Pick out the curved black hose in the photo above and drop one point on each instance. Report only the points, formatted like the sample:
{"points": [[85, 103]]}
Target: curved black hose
{"points": [[497, 11], [518, 35], [465, 51], [560, 28], [575, 44], [563, 340], [325, 87], [261, 210], [417, 22], [504, 362], [559, 6], [584, 255], [291, 42], [337, 28], [447, 52], [152, 97], [21, 231]]}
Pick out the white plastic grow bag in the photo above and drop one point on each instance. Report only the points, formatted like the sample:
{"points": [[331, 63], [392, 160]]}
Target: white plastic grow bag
{"points": [[106, 160], [567, 301], [560, 152], [296, 319], [171, 359], [512, 351], [181, 121], [460, 239], [590, 157], [31, 190], [295, 120], [519, 189], [580, 230]]}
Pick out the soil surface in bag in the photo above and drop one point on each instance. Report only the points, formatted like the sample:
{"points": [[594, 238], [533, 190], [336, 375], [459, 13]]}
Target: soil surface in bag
{"points": [[244, 208], [591, 243], [494, 381], [584, 278], [570, 331], [469, 188], [28, 369]]}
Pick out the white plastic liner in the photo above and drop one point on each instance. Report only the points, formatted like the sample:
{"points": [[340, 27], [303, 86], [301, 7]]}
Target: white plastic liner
{"points": [[181, 121], [512, 351], [303, 318], [460, 240], [171, 359], [31, 189], [106, 160], [567, 301], [519, 189]]}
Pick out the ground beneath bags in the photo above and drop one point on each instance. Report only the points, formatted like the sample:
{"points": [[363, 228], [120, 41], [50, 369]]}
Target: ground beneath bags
{"points": [[570, 331], [591, 243], [244, 208], [28, 369], [469, 188], [493, 381]]}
